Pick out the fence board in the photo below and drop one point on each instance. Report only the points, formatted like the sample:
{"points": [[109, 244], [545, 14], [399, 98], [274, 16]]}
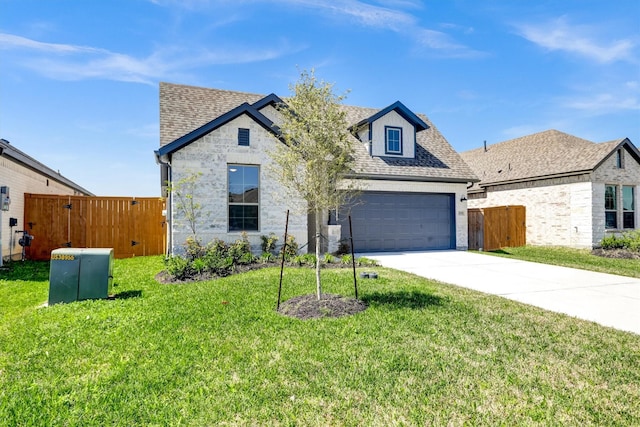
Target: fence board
{"points": [[95, 222], [497, 227]]}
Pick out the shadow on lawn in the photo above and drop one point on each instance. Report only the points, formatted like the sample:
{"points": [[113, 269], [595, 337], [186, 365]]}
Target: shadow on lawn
{"points": [[402, 299], [127, 295], [31, 271]]}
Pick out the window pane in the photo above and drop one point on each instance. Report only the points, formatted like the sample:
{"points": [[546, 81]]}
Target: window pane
{"points": [[628, 204], [628, 220], [610, 197], [611, 220], [243, 197]]}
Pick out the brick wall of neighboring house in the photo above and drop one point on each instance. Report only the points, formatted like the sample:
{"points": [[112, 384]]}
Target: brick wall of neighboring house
{"points": [[210, 155], [462, 240], [558, 210], [609, 173], [21, 180]]}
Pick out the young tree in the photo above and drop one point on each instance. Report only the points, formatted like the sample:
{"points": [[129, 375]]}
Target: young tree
{"points": [[317, 150], [185, 203]]}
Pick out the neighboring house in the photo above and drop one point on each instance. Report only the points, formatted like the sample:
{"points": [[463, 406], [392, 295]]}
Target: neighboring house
{"points": [[21, 174], [414, 184], [575, 191]]}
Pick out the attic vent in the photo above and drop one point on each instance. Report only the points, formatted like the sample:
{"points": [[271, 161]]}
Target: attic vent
{"points": [[243, 137]]}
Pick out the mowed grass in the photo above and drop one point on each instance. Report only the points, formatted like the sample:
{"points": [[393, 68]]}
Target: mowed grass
{"points": [[217, 353], [574, 258]]}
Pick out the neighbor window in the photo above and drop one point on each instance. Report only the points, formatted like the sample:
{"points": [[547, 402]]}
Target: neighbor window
{"points": [[243, 197], [393, 140], [243, 136], [610, 209], [628, 207]]}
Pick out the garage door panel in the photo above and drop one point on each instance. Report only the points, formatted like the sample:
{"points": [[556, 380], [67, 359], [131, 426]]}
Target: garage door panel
{"points": [[401, 221]]}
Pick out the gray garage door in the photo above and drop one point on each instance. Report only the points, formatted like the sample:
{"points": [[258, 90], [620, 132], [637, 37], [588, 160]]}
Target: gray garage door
{"points": [[401, 221]]}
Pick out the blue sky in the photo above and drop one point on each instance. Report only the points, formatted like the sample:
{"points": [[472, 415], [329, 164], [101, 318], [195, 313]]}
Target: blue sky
{"points": [[79, 78]]}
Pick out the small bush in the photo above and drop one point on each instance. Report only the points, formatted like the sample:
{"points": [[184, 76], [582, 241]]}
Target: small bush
{"points": [[308, 259], [239, 249], [267, 257], [178, 267], [367, 262], [193, 248], [343, 248], [269, 243], [291, 248], [629, 240], [346, 259], [328, 258]]}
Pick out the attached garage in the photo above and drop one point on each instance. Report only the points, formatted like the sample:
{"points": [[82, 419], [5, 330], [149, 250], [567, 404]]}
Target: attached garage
{"points": [[385, 221]]}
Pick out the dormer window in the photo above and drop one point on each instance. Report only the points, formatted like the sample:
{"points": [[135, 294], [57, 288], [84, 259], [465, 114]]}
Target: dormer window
{"points": [[393, 140]]}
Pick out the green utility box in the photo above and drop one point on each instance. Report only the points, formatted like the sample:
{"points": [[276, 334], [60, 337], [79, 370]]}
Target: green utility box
{"points": [[78, 274]]}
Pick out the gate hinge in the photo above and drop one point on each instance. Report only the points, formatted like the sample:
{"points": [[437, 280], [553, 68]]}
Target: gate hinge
{"points": [[67, 206], [133, 243]]}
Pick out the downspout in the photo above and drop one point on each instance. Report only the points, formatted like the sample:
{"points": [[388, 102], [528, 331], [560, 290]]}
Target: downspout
{"points": [[169, 197]]}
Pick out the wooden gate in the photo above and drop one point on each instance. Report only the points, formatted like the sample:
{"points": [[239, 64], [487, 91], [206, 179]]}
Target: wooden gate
{"points": [[131, 226], [497, 227]]}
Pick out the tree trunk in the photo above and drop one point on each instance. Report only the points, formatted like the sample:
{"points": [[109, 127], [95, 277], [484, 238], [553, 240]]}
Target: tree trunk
{"points": [[318, 243]]}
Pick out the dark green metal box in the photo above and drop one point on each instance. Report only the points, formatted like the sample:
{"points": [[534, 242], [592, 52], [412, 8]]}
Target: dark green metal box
{"points": [[78, 274]]}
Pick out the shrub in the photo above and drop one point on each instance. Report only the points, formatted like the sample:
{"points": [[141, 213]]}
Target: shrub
{"points": [[193, 248], [343, 248], [367, 262], [346, 259], [269, 243], [178, 267], [308, 259], [267, 257], [239, 249], [629, 240], [291, 250], [328, 258]]}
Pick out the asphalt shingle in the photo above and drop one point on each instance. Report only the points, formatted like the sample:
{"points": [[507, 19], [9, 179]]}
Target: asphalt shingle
{"points": [[185, 108]]}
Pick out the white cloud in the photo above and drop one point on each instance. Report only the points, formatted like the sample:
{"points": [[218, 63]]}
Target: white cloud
{"points": [[72, 62], [559, 35], [604, 103]]}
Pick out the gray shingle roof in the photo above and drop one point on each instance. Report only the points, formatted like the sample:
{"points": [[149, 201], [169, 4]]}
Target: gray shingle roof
{"points": [[185, 108], [543, 154]]}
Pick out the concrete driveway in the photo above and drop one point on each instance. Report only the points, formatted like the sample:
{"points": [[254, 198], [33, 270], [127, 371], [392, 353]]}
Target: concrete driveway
{"points": [[606, 299]]}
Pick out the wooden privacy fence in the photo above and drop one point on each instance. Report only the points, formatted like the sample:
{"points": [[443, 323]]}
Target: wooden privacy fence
{"points": [[131, 226], [497, 227]]}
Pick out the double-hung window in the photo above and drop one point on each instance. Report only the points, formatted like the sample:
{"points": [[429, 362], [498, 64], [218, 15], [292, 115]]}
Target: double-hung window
{"points": [[244, 185], [610, 206], [628, 207], [393, 140]]}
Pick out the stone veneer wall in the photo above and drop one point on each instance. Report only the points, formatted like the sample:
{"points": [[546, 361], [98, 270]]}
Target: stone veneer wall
{"points": [[210, 155], [608, 173], [558, 210]]}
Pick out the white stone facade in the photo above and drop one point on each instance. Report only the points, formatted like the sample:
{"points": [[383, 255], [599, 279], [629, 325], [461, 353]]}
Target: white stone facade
{"points": [[210, 156], [566, 211]]}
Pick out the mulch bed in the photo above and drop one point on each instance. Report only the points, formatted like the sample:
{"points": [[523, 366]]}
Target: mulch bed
{"points": [[616, 253], [331, 305]]}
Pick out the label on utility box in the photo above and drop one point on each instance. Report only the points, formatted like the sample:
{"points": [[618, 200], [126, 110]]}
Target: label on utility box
{"points": [[62, 257]]}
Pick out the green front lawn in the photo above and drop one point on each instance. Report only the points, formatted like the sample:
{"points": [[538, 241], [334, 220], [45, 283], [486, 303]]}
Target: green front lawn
{"points": [[575, 258], [216, 353]]}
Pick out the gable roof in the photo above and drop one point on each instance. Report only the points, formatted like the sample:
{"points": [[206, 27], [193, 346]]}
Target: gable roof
{"points": [[399, 108], [9, 151], [542, 155], [188, 112], [244, 108]]}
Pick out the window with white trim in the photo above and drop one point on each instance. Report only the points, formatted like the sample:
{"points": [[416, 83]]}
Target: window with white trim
{"points": [[393, 140], [610, 206], [628, 207], [243, 203]]}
